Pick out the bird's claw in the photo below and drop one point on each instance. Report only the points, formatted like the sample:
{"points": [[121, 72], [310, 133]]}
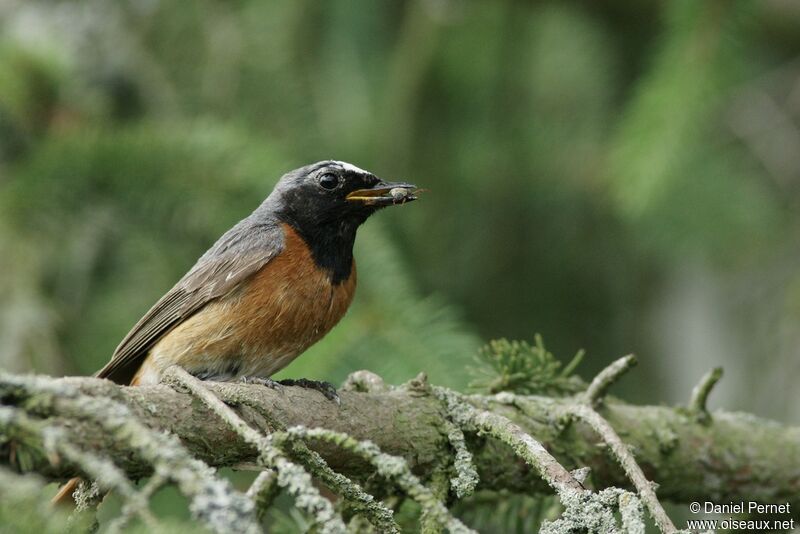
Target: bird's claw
{"points": [[268, 382], [326, 388]]}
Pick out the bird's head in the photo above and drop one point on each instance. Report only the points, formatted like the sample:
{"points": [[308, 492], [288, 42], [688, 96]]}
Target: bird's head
{"points": [[334, 194]]}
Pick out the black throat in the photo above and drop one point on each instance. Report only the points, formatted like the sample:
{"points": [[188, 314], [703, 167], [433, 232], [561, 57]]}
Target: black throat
{"points": [[331, 245]]}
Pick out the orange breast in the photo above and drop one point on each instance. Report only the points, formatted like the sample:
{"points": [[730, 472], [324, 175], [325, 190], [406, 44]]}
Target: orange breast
{"points": [[286, 307], [291, 302]]}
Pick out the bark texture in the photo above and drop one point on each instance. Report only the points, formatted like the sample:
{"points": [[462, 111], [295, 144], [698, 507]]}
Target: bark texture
{"points": [[727, 457]]}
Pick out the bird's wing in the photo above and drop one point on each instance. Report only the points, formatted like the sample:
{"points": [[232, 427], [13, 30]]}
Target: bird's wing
{"points": [[238, 255]]}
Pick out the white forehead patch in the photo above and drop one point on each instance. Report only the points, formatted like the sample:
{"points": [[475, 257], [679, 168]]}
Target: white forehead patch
{"points": [[351, 168]]}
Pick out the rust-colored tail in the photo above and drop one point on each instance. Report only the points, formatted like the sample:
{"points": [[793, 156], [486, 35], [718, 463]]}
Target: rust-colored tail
{"points": [[64, 495]]}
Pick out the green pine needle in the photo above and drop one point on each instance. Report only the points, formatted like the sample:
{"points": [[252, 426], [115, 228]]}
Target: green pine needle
{"points": [[520, 367]]}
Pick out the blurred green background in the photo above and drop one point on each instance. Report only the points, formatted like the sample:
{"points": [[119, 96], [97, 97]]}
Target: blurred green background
{"points": [[618, 176]]}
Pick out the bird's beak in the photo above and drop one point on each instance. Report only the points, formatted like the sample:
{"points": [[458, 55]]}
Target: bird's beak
{"points": [[385, 194]]}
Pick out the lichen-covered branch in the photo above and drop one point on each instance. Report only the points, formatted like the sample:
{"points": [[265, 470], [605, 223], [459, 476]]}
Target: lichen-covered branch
{"points": [[586, 412], [290, 476], [263, 491], [733, 457], [390, 467], [504, 430], [212, 501], [626, 460], [466, 478], [606, 378], [700, 393], [275, 447]]}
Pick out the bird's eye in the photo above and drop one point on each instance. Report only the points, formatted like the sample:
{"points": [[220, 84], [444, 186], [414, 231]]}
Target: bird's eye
{"points": [[328, 181]]}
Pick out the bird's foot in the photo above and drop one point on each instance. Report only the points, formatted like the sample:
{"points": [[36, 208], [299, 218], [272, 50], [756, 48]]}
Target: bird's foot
{"points": [[326, 388], [267, 382]]}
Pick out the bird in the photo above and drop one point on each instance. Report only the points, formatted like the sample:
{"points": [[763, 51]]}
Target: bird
{"points": [[268, 289]]}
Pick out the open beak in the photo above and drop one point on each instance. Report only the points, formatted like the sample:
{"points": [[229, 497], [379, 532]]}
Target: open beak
{"points": [[385, 194]]}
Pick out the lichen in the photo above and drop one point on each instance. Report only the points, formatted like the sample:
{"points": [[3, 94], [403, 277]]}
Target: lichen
{"points": [[497, 426], [212, 500], [466, 479], [60, 427], [290, 476], [593, 513], [263, 491], [359, 501], [391, 467]]}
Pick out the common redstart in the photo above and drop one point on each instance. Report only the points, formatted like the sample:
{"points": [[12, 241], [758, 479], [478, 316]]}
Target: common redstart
{"points": [[268, 289]]}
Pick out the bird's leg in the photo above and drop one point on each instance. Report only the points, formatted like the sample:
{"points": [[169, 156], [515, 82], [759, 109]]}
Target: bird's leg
{"points": [[326, 388]]}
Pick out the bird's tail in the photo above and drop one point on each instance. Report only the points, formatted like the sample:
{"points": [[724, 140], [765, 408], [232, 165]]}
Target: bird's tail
{"points": [[64, 495]]}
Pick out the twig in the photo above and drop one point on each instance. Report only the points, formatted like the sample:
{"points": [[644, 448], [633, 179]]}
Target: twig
{"points": [[605, 378], [524, 445], [440, 488], [290, 475], [177, 376], [375, 511], [263, 491], [628, 463], [697, 403], [466, 478], [528, 449], [108, 476], [381, 517], [585, 411], [119, 523], [581, 506], [212, 500], [391, 467], [299, 484], [157, 480]]}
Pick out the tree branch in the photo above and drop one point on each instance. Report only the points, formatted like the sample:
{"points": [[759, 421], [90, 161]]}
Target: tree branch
{"points": [[733, 457], [700, 393]]}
